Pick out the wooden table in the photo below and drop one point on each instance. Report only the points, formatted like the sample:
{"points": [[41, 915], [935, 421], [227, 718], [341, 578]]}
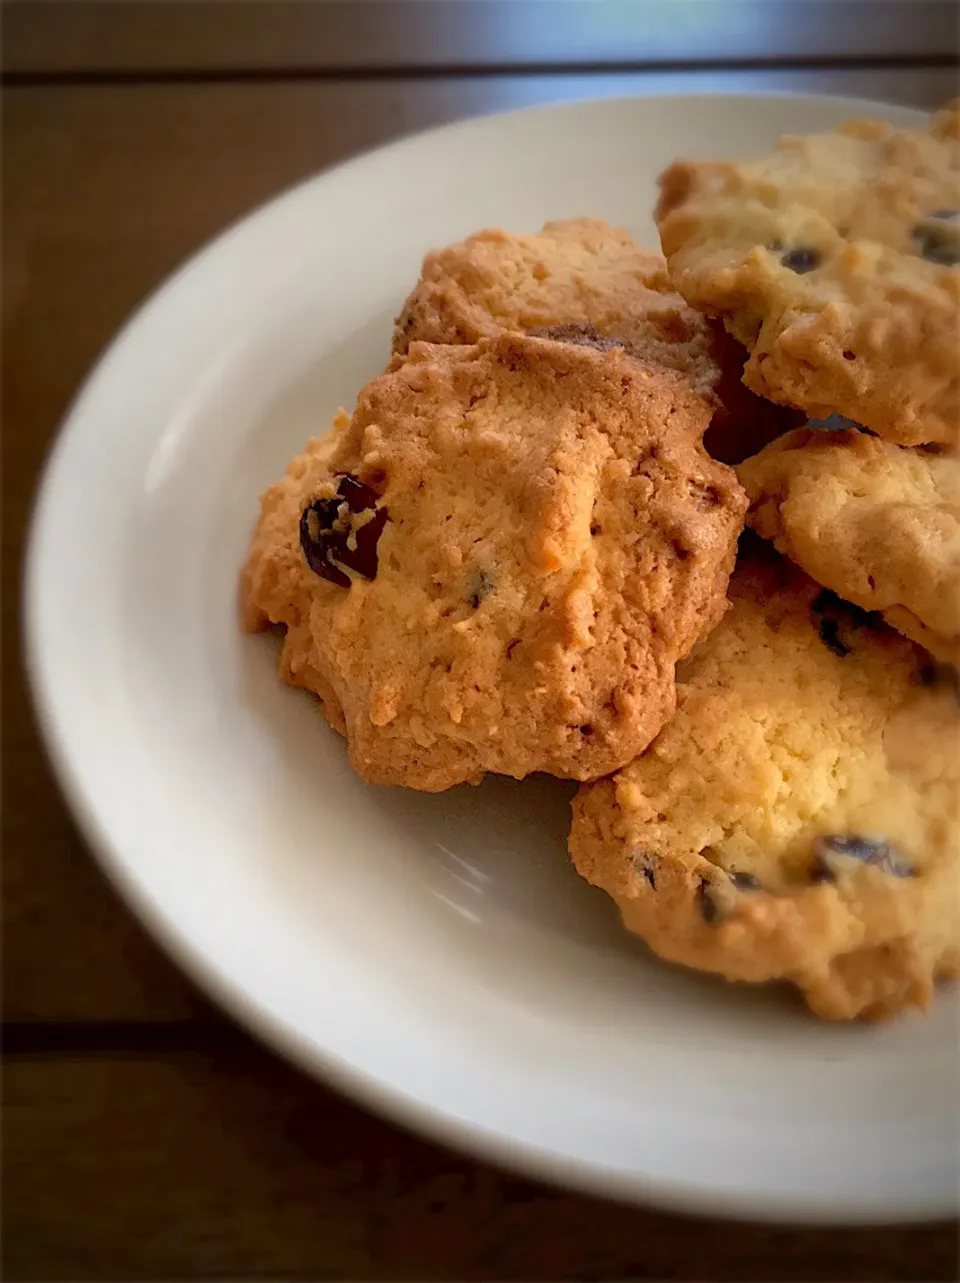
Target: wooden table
{"points": [[145, 1136]]}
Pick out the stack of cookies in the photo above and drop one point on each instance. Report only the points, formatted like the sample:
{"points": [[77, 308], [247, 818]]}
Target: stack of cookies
{"points": [[525, 551]]}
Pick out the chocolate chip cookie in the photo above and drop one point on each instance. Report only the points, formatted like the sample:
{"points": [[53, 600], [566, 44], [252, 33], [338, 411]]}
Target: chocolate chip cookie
{"points": [[498, 563], [797, 819], [877, 523], [835, 260], [579, 273]]}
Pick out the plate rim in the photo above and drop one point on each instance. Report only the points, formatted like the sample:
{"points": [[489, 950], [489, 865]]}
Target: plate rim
{"points": [[356, 1082]]}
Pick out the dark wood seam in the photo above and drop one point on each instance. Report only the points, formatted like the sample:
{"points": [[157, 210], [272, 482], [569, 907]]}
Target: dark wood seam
{"points": [[255, 75]]}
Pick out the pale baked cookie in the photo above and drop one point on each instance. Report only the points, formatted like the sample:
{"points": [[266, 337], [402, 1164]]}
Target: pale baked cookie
{"points": [[583, 272], [877, 523], [798, 817], [835, 260], [500, 561]]}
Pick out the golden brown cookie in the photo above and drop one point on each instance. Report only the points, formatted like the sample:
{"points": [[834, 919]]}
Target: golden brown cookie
{"points": [[798, 817], [877, 523], [582, 273], [835, 260], [496, 566]]}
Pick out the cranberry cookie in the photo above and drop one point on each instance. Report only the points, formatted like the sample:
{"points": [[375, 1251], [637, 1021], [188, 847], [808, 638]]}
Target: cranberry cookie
{"points": [[583, 272], [496, 566], [877, 523], [835, 260], [798, 818]]}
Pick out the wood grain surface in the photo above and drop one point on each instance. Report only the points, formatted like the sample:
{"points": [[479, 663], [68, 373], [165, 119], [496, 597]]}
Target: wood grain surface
{"points": [[225, 1163], [145, 1138], [131, 37]]}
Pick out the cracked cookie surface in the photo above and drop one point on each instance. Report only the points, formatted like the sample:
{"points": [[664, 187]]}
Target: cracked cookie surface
{"points": [[797, 819], [835, 259], [877, 523], [548, 539], [582, 272]]}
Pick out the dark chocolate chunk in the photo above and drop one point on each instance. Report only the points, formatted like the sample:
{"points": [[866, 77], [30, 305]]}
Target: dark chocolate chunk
{"points": [[801, 260], [325, 534], [831, 852]]}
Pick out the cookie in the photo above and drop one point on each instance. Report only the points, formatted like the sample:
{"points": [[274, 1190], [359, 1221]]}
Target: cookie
{"points": [[798, 818], [583, 272], [877, 523], [835, 260], [497, 564]]}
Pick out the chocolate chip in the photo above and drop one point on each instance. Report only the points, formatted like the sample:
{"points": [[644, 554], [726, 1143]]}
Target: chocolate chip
{"points": [[832, 852], [801, 260], [643, 862], [480, 586], [328, 537], [745, 881]]}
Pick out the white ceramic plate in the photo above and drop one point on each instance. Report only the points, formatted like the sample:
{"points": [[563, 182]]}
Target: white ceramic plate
{"points": [[435, 956]]}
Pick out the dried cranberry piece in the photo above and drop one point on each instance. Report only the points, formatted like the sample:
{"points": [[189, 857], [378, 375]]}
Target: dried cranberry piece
{"points": [[364, 559], [358, 496], [316, 543], [831, 851], [325, 536]]}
